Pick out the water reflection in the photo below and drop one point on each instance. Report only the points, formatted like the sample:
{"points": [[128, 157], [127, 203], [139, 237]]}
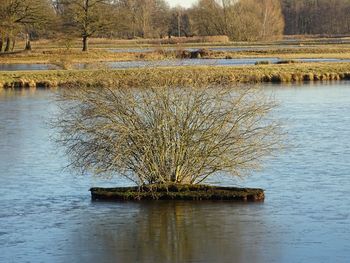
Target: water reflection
{"points": [[177, 232]]}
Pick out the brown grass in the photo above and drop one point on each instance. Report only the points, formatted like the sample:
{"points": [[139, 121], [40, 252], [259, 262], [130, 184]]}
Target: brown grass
{"points": [[180, 75]]}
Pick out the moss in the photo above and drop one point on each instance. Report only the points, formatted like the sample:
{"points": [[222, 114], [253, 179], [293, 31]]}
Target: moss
{"points": [[178, 192]]}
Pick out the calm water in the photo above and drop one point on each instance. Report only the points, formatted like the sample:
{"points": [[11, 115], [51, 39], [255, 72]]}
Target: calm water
{"points": [[18, 67], [196, 62], [46, 214]]}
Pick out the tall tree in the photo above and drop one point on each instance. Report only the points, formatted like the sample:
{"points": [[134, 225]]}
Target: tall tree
{"points": [[87, 17], [316, 16], [180, 23], [207, 18], [239, 19], [22, 16]]}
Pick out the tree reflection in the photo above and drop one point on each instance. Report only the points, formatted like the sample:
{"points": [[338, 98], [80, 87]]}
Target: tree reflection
{"points": [[175, 232]]}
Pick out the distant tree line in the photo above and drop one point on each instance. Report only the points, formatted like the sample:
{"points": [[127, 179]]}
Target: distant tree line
{"points": [[316, 16], [245, 20]]}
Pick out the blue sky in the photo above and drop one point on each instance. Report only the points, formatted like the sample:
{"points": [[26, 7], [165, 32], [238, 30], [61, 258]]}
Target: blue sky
{"points": [[184, 3]]}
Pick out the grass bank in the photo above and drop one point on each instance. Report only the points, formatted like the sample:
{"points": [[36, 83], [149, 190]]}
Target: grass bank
{"points": [[204, 75], [62, 57]]}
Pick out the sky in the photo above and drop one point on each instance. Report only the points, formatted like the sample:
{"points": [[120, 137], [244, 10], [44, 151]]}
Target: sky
{"points": [[184, 3]]}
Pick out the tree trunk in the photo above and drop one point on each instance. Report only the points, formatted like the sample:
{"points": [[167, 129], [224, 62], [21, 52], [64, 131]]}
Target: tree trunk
{"points": [[178, 25], [8, 42], [28, 46], [13, 44], [1, 44], [85, 43]]}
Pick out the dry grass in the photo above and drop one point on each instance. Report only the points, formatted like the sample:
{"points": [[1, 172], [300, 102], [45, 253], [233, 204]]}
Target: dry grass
{"points": [[45, 51], [72, 43], [180, 75], [54, 56]]}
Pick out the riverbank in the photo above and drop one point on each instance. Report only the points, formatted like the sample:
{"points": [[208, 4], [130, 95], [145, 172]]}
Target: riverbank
{"points": [[177, 192], [203, 75]]}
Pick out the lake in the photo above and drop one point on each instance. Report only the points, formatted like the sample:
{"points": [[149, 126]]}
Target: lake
{"points": [[46, 214]]}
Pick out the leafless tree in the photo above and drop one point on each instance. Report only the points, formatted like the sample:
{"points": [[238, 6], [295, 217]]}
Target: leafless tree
{"points": [[20, 16], [87, 17], [166, 135], [316, 17], [239, 19]]}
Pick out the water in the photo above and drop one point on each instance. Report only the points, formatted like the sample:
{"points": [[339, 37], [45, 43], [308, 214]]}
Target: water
{"points": [[46, 214], [189, 62], [26, 67]]}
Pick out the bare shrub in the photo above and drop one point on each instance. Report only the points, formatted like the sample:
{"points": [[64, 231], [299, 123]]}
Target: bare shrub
{"points": [[166, 135]]}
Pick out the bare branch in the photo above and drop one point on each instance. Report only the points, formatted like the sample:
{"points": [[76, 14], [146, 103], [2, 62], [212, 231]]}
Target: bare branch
{"points": [[167, 135]]}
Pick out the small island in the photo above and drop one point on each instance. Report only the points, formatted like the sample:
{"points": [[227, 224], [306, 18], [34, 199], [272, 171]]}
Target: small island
{"points": [[177, 192]]}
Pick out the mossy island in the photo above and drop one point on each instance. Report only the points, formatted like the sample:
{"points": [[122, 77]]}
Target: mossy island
{"points": [[178, 192]]}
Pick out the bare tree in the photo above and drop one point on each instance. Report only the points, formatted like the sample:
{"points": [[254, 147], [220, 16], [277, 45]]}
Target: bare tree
{"points": [[21, 16], [179, 23], [239, 19], [272, 19], [87, 17], [208, 18], [166, 135], [316, 17]]}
